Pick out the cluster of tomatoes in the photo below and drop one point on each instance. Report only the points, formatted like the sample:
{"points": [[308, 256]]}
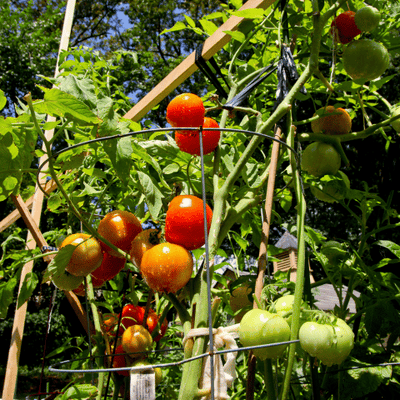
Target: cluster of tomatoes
{"points": [[187, 111], [323, 336], [136, 332]]}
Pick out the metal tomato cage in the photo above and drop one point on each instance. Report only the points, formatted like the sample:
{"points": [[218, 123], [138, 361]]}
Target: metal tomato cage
{"points": [[55, 367]]}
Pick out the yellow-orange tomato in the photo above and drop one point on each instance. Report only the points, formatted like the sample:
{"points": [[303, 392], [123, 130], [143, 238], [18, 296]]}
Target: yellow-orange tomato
{"points": [[167, 267], [86, 257], [119, 227], [336, 121], [135, 340]]}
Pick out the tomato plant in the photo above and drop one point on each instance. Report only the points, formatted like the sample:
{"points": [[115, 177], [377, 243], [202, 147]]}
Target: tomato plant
{"points": [[142, 171]]}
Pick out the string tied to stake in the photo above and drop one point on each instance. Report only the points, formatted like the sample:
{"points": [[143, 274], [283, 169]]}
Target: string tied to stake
{"points": [[224, 372]]}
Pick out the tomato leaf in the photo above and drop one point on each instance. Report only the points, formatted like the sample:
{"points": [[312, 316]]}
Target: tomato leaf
{"points": [[28, 286], [152, 193], [3, 100], [80, 392], [391, 246], [61, 104], [59, 262], [6, 295]]}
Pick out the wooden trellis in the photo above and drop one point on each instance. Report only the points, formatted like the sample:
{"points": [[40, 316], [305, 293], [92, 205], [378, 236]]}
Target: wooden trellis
{"points": [[32, 218]]}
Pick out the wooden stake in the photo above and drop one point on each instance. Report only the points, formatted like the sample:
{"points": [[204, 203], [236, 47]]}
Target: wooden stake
{"points": [[188, 66], [262, 258], [10, 378], [48, 187]]}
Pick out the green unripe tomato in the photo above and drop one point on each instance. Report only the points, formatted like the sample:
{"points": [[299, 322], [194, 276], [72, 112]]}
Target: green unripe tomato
{"points": [[365, 59], [284, 303], [320, 159], [367, 18], [157, 370], [67, 281], [260, 327], [342, 345], [315, 338]]}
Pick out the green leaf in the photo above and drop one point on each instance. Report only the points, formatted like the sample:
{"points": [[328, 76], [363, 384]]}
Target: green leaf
{"points": [[152, 193], [250, 13], [28, 286], [285, 199], [82, 89], [363, 380], [243, 243], [391, 246], [3, 100], [179, 26], [80, 392], [239, 36], [61, 104], [190, 21], [59, 262], [120, 152], [208, 26], [6, 295]]}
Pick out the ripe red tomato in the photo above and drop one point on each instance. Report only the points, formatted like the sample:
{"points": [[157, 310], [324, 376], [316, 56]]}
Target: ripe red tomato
{"points": [[119, 227], [134, 315], [186, 110], [152, 321], [346, 27], [262, 327], [109, 268], [167, 267], [189, 142], [119, 360], [184, 222]]}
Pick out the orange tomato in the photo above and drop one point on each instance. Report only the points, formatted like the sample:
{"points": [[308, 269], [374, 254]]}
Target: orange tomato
{"points": [[119, 227], [167, 267]]}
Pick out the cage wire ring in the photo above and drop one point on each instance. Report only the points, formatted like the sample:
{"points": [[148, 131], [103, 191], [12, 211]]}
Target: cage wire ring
{"points": [[120, 136]]}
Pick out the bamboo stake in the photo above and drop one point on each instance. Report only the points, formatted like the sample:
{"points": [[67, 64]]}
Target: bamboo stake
{"points": [[20, 314], [188, 66]]}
